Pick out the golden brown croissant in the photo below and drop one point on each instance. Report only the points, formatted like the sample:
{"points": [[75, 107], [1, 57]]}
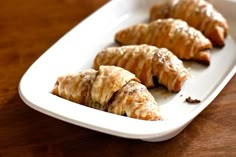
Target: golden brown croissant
{"points": [[111, 89], [146, 62], [184, 41], [199, 14]]}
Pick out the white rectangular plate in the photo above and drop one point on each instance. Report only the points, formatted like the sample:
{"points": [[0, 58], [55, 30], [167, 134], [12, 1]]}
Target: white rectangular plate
{"points": [[76, 51]]}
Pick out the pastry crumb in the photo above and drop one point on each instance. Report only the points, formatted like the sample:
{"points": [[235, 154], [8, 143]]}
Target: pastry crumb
{"points": [[192, 101]]}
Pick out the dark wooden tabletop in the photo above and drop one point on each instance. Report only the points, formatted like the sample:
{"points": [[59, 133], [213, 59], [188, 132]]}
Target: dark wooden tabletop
{"points": [[27, 29]]}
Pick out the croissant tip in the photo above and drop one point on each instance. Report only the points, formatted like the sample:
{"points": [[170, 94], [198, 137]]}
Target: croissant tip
{"points": [[219, 44], [117, 41], [119, 37], [55, 88], [203, 57], [218, 36]]}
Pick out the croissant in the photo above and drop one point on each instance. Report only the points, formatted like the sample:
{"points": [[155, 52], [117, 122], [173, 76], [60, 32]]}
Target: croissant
{"points": [[146, 62], [184, 41], [112, 89], [199, 14]]}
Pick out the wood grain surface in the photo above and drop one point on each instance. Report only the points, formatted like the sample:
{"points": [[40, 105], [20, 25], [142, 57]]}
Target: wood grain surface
{"points": [[27, 29]]}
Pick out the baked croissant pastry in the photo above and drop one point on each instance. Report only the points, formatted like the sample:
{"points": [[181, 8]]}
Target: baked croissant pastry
{"points": [[199, 14], [111, 89], [146, 62], [184, 41]]}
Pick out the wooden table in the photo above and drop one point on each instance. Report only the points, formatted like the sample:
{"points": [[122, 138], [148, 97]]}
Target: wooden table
{"points": [[27, 29]]}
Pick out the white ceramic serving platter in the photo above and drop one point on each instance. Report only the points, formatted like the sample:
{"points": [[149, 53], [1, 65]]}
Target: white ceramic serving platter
{"points": [[76, 51]]}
